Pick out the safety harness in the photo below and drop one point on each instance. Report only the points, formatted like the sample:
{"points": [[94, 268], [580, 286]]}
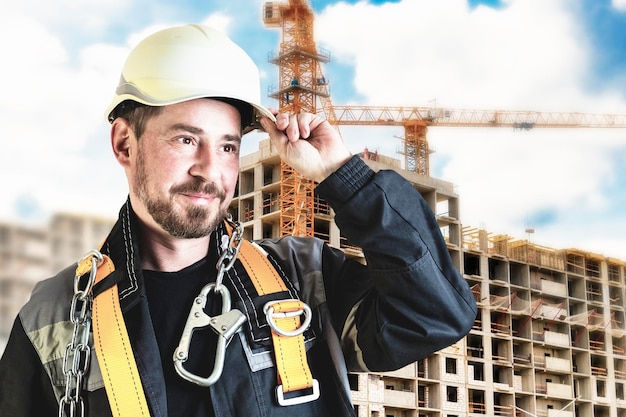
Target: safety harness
{"points": [[113, 349]]}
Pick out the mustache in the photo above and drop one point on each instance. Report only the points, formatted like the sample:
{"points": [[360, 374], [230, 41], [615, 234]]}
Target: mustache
{"points": [[200, 187]]}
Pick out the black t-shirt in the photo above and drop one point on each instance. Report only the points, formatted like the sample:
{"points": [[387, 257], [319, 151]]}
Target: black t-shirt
{"points": [[170, 297]]}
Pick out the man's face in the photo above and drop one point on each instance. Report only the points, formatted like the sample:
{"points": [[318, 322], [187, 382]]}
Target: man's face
{"points": [[186, 167]]}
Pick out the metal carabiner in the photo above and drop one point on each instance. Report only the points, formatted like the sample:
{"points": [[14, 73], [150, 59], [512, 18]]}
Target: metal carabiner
{"points": [[225, 325]]}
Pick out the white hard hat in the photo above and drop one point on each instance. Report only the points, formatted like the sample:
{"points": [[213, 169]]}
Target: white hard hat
{"points": [[188, 62]]}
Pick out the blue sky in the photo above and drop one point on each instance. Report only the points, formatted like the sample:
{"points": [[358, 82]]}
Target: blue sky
{"points": [[62, 61]]}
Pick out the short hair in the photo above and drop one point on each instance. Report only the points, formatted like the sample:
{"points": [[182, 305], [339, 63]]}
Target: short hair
{"points": [[138, 114]]}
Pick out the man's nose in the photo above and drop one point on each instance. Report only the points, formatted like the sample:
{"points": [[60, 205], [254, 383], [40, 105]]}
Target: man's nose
{"points": [[206, 165]]}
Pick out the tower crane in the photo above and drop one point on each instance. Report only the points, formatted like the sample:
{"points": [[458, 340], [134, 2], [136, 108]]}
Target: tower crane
{"points": [[302, 85]]}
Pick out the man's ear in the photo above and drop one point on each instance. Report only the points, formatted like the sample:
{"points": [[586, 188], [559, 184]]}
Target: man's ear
{"points": [[121, 135]]}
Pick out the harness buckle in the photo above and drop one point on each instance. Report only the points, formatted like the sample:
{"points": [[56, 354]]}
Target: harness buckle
{"points": [[287, 309], [299, 399], [225, 325]]}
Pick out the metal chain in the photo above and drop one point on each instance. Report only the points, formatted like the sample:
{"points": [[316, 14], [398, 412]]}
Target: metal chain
{"points": [[78, 352], [230, 250]]}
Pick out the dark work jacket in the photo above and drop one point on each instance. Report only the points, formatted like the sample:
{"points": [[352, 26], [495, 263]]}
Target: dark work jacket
{"points": [[408, 302]]}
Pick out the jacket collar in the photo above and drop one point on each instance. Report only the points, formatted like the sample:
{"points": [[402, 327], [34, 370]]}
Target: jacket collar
{"points": [[122, 246]]}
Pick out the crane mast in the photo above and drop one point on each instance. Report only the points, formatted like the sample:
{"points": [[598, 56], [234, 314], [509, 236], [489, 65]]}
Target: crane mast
{"points": [[301, 83]]}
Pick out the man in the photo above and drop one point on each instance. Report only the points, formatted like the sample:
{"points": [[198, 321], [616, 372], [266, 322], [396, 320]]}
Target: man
{"points": [[186, 96]]}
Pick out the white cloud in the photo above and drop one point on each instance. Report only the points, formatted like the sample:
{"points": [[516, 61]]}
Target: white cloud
{"points": [[619, 4], [88, 16], [528, 55], [50, 108], [219, 21], [444, 50]]}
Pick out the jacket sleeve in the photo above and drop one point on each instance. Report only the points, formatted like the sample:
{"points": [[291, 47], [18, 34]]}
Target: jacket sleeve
{"points": [[409, 301], [25, 389]]}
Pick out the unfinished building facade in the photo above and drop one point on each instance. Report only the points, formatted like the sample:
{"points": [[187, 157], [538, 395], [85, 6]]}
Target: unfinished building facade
{"points": [[548, 338]]}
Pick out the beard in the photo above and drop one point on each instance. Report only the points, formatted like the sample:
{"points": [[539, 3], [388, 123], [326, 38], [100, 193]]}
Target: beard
{"points": [[189, 222]]}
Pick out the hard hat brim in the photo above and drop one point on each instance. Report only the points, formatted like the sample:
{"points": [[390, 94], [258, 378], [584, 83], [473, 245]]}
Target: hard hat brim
{"points": [[258, 110]]}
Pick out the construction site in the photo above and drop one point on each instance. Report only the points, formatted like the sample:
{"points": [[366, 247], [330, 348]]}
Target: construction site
{"points": [[549, 337]]}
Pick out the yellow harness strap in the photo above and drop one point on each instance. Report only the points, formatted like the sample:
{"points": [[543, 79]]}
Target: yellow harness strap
{"points": [[291, 363], [115, 355]]}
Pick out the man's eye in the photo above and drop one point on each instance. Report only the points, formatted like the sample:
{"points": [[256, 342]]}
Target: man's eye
{"points": [[230, 148], [185, 140]]}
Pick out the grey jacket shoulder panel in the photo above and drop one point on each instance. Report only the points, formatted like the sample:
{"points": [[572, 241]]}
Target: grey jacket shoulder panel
{"points": [[46, 321], [42, 309], [302, 258]]}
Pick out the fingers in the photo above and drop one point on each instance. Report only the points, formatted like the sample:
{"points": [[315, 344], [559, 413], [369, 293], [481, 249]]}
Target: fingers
{"points": [[293, 129], [269, 126], [294, 126], [276, 132]]}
